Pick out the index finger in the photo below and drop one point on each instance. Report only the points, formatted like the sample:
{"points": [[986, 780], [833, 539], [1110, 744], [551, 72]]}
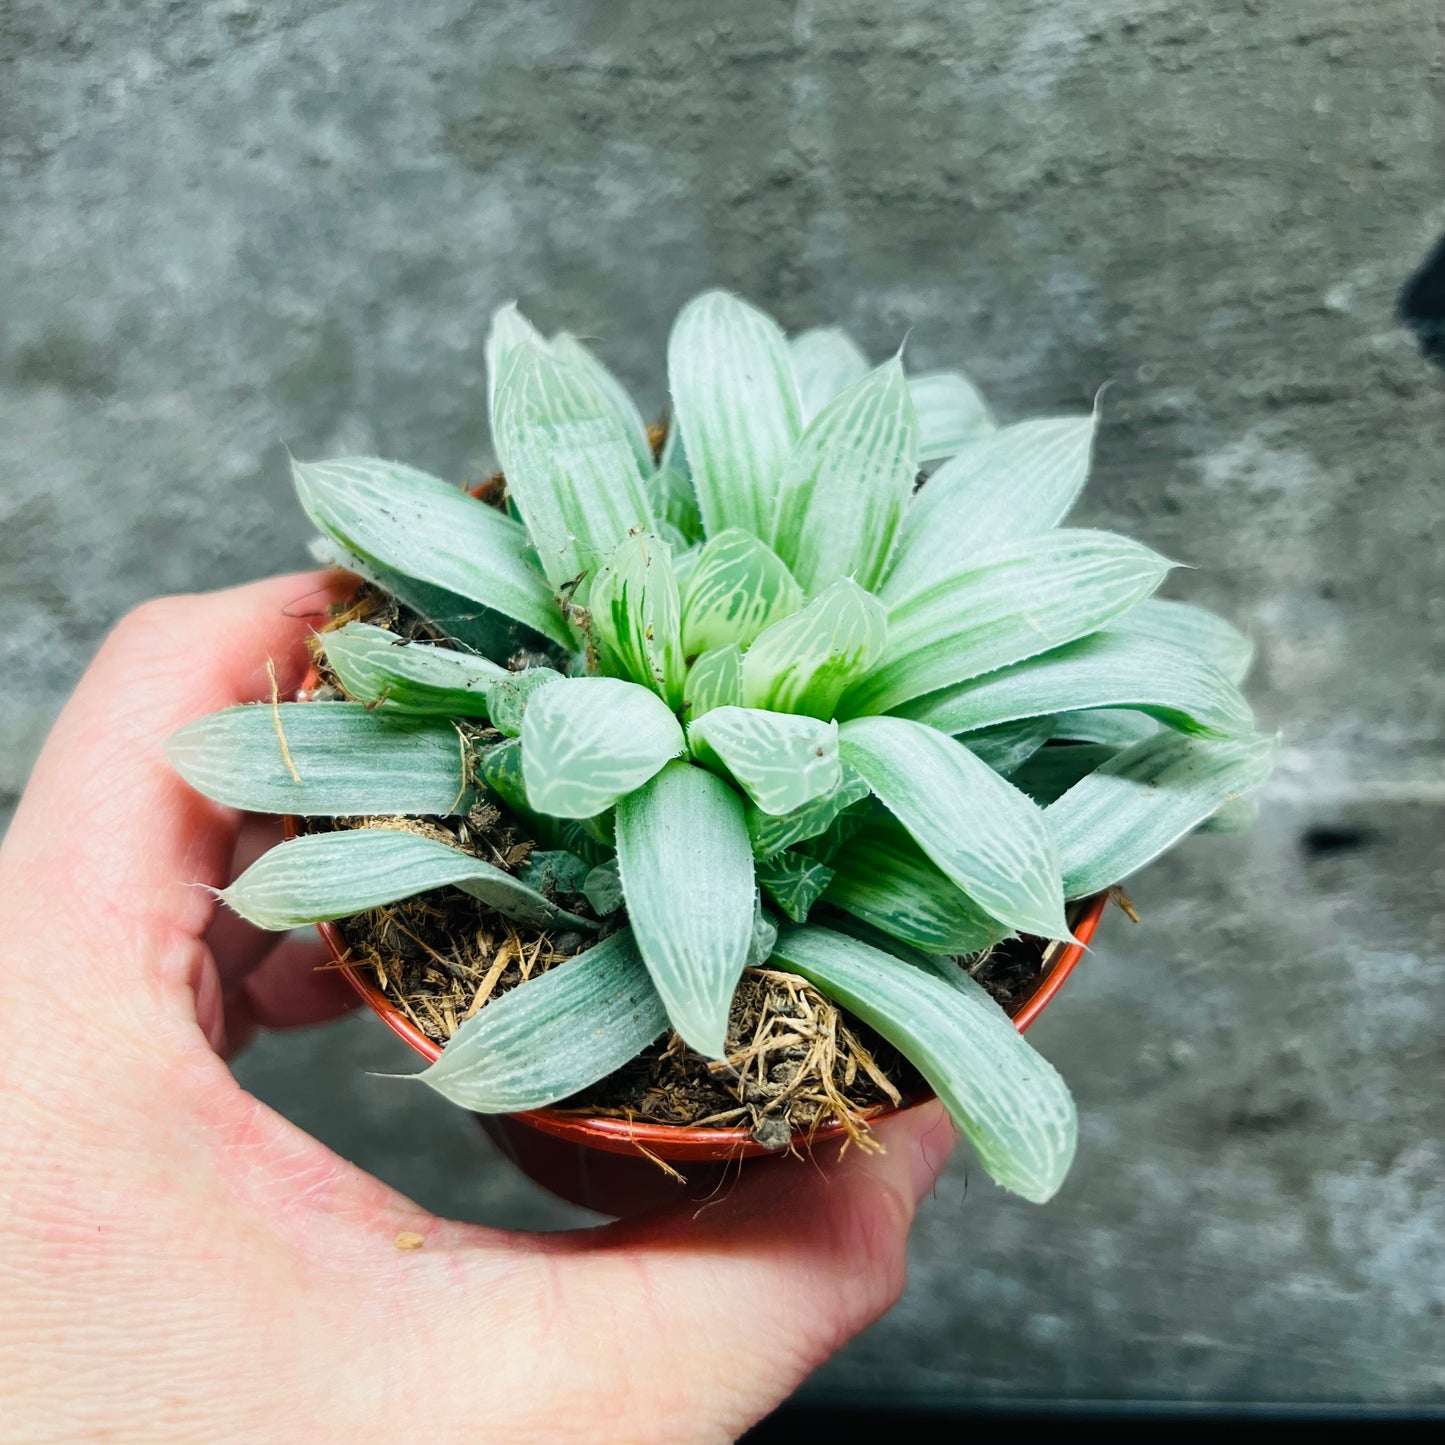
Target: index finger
{"points": [[106, 830]]}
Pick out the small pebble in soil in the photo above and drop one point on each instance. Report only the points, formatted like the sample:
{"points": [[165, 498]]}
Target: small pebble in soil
{"points": [[772, 1132]]}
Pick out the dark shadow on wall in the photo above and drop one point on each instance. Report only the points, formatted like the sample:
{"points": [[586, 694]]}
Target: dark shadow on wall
{"points": [[1422, 305]]}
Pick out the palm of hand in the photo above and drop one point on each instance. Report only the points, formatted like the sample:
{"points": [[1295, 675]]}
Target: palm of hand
{"points": [[179, 1262]]}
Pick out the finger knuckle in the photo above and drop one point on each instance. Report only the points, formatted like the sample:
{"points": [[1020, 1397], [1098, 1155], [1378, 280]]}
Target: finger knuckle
{"points": [[150, 626]]}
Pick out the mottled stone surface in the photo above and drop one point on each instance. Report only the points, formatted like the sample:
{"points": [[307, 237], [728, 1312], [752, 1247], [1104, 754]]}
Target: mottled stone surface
{"points": [[229, 228]]}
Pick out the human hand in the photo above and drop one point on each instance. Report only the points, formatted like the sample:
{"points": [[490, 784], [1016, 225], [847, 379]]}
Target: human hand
{"points": [[178, 1262]]}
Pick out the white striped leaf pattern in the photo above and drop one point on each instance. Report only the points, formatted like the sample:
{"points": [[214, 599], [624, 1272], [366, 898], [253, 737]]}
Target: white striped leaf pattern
{"points": [[687, 872], [771, 833], [378, 667], [805, 662], [509, 328], [571, 470], [1107, 669], [636, 613], [1008, 484], [826, 362], [951, 412], [1184, 625], [781, 760], [738, 587], [793, 881], [1118, 727], [736, 405], [587, 741], [1010, 603], [984, 834], [1144, 799], [566, 347], [884, 878], [508, 695], [349, 761], [1007, 747], [333, 875], [431, 531], [1008, 1101], [482, 631], [847, 483], [553, 1035], [714, 680]]}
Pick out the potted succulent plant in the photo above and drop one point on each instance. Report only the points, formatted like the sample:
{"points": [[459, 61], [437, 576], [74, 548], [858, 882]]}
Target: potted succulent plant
{"points": [[724, 778]]}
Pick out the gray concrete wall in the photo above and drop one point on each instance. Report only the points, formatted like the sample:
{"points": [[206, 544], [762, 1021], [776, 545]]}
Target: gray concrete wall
{"points": [[232, 227]]}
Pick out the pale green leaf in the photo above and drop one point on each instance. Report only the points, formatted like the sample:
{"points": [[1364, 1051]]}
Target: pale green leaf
{"points": [[674, 502], [984, 834], [1194, 629], [1007, 1099], [499, 768], [603, 888], [554, 1035], [1053, 770], [736, 404], [771, 833], [804, 663], [764, 935], [950, 413], [405, 521], [714, 680], [944, 966], [684, 564], [509, 328], [687, 871], [737, 588], [587, 741], [349, 761], [378, 667], [333, 875], [552, 871], [884, 878], [1107, 669], [508, 696], [781, 760], [1006, 747], [1014, 602], [566, 348], [1238, 815], [826, 846], [481, 630], [826, 362], [793, 881], [636, 614], [847, 483], [570, 468], [1006, 484], [1119, 727], [1144, 799]]}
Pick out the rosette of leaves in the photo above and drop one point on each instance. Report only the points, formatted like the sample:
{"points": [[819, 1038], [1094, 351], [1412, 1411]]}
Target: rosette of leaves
{"points": [[762, 695]]}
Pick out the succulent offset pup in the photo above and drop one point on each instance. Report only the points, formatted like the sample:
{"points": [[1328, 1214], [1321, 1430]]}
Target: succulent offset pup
{"points": [[760, 697]]}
